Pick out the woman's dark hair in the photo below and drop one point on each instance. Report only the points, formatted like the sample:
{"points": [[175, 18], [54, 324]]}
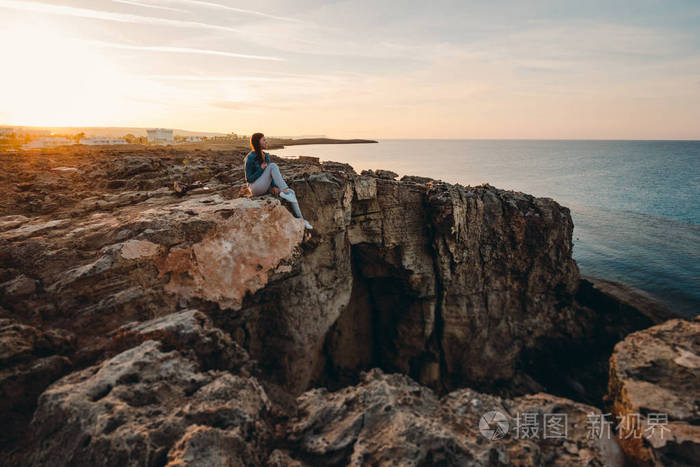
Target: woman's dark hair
{"points": [[255, 145]]}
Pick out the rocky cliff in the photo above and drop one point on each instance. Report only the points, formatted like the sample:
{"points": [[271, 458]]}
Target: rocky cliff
{"points": [[141, 325]]}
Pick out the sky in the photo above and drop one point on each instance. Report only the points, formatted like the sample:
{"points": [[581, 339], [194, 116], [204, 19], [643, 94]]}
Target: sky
{"points": [[368, 69]]}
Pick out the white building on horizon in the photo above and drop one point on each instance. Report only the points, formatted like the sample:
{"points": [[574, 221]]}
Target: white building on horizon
{"points": [[160, 135]]}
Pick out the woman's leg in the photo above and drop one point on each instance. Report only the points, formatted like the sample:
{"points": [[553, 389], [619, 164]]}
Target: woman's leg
{"points": [[262, 184], [297, 211], [277, 176], [282, 185], [295, 208]]}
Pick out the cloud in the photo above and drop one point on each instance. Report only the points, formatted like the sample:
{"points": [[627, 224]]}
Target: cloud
{"points": [[107, 16], [273, 76], [199, 78], [146, 5], [237, 10], [184, 50], [248, 106]]}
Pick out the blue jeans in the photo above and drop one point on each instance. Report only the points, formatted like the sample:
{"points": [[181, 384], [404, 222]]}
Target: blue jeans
{"points": [[262, 184]]}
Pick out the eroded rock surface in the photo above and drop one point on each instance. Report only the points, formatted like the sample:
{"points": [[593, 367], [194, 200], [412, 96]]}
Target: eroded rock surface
{"points": [[98, 272], [174, 312], [391, 420], [248, 239], [452, 285], [30, 360], [449, 284], [145, 406], [192, 333], [655, 386]]}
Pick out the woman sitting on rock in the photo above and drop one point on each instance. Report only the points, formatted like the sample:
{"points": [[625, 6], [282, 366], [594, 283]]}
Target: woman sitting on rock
{"points": [[263, 176]]}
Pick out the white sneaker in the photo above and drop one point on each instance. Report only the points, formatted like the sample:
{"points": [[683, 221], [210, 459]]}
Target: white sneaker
{"points": [[288, 195], [307, 225]]}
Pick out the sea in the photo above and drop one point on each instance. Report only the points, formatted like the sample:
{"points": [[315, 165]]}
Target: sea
{"points": [[635, 204]]}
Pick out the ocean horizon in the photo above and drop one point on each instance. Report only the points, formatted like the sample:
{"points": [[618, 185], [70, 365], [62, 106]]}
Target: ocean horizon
{"points": [[633, 202]]}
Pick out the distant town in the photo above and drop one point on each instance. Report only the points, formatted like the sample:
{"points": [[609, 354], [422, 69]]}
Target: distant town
{"points": [[31, 138]]}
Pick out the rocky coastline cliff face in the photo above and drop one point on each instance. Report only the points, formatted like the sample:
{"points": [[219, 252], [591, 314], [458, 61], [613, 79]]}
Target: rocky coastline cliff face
{"points": [[139, 327]]}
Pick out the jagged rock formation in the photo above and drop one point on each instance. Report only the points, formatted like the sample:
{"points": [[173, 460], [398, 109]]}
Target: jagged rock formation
{"points": [[655, 389], [445, 283], [191, 333], [389, 417], [30, 360], [448, 284], [191, 324], [129, 410]]}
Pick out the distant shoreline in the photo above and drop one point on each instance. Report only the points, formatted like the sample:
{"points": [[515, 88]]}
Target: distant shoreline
{"points": [[276, 143]]}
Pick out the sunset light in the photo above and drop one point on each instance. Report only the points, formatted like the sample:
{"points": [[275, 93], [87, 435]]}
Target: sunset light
{"points": [[56, 79], [350, 233], [464, 70]]}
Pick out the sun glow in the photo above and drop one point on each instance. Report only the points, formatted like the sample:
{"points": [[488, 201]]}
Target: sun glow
{"points": [[51, 79]]}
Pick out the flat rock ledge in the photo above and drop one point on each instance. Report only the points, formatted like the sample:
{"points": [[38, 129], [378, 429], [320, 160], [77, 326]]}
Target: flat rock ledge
{"points": [[655, 387]]}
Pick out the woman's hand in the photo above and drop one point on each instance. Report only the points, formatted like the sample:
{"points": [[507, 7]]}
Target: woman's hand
{"points": [[263, 165], [275, 191]]}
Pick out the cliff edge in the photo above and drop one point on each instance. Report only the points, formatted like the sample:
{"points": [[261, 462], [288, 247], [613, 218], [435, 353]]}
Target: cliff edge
{"points": [[143, 325]]}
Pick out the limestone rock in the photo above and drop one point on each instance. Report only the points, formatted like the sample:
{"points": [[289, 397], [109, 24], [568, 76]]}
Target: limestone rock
{"points": [[454, 286], [99, 272], [507, 277], [387, 174], [239, 253], [416, 179], [209, 446], [655, 387], [30, 360], [380, 173], [279, 458], [18, 287], [191, 332], [391, 420], [10, 222], [144, 406], [410, 277]]}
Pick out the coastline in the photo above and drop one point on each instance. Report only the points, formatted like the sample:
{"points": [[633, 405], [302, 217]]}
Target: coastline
{"points": [[277, 143], [407, 289], [274, 143]]}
